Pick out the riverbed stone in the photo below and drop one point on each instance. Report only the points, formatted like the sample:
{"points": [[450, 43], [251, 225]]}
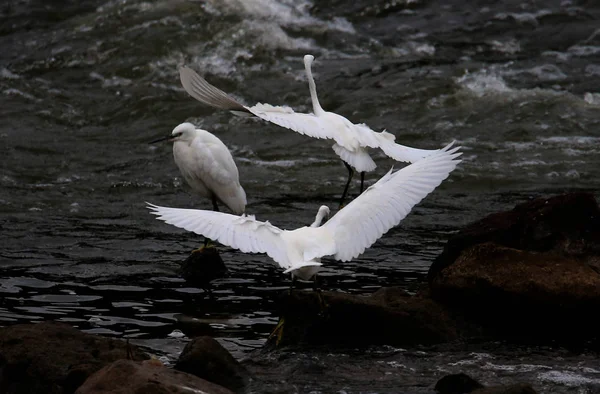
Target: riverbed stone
{"points": [[521, 293], [567, 224], [148, 377], [529, 273], [52, 357], [203, 266], [389, 316], [208, 359]]}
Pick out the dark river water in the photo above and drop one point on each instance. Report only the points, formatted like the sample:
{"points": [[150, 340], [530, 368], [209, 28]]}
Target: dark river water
{"points": [[85, 85]]}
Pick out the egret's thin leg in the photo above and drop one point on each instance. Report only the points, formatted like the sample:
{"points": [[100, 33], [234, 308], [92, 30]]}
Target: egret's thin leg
{"points": [[214, 202], [350, 173], [362, 181], [292, 283], [322, 303]]}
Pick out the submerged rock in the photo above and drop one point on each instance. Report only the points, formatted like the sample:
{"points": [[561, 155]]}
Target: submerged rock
{"points": [[456, 384], [148, 377], [461, 383], [203, 266], [389, 316], [206, 358], [52, 357]]}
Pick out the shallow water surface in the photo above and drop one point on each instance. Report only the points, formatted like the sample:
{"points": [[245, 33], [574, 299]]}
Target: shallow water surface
{"points": [[85, 86]]}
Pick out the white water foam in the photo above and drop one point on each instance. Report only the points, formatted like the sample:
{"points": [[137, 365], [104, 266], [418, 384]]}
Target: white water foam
{"points": [[567, 378]]}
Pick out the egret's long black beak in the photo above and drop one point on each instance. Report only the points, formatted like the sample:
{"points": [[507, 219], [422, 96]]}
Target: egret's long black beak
{"points": [[161, 139]]}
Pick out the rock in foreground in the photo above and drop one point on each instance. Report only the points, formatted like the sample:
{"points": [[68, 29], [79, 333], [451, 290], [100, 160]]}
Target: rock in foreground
{"points": [[523, 294], [389, 316], [148, 377], [529, 273], [567, 224], [54, 357], [205, 358]]}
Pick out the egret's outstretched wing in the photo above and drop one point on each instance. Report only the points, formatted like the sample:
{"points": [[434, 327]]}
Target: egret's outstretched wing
{"points": [[383, 205], [240, 232], [399, 152], [201, 90], [307, 124], [386, 142]]}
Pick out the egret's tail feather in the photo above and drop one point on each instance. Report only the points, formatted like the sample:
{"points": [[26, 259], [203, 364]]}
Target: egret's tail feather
{"points": [[359, 159], [201, 90]]}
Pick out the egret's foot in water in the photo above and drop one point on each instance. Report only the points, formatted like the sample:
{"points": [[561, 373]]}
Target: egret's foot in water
{"points": [[207, 245], [323, 306], [277, 332]]}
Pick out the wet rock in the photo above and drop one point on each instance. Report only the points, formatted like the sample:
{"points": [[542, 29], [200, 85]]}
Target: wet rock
{"points": [[461, 383], [206, 358], [457, 384], [567, 224], [203, 266], [148, 377], [54, 357], [523, 294], [389, 316]]}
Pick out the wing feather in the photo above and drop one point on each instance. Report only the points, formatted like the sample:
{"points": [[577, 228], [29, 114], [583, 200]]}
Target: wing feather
{"points": [[240, 232], [383, 205], [402, 153], [201, 90], [306, 124]]}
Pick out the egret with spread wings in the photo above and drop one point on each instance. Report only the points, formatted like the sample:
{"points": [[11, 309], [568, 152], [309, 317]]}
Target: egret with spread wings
{"points": [[345, 236], [351, 140]]}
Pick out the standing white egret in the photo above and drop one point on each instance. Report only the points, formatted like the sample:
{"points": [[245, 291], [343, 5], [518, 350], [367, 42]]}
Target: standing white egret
{"points": [[351, 140], [207, 166], [345, 236]]}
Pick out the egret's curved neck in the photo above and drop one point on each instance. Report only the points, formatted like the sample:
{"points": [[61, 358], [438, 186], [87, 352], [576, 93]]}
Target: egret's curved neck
{"points": [[313, 88], [319, 218]]}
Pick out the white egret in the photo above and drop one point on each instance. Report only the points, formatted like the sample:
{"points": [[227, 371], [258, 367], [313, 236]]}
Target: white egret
{"points": [[345, 236], [207, 166], [351, 140]]}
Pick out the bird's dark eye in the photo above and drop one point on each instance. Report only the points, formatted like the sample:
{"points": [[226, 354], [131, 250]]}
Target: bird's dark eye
{"points": [[177, 134]]}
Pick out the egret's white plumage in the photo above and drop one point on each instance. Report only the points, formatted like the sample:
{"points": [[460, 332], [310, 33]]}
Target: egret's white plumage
{"points": [[345, 236], [351, 140], [207, 166]]}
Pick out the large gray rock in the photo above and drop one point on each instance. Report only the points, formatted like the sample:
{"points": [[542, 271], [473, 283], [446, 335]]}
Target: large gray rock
{"points": [[389, 316], [147, 377], [520, 294], [530, 274], [54, 357], [567, 224], [206, 358]]}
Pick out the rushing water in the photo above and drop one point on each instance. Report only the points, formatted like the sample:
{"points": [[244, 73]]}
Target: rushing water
{"points": [[84, 86]]}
